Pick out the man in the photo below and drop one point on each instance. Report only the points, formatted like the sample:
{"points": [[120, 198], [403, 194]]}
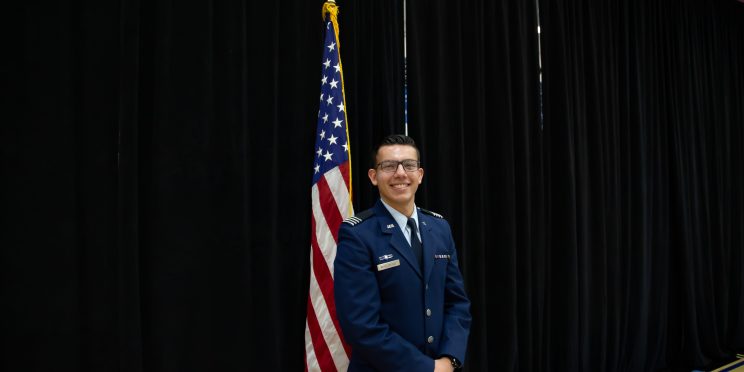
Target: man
{"points": [[399, 294]]}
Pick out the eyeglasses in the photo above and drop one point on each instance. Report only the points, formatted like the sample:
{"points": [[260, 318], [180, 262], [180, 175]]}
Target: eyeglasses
{"points": [[390, 166]]}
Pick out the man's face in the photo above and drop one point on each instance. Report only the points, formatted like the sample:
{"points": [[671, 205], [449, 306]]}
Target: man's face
{"points": [[397, 188]]}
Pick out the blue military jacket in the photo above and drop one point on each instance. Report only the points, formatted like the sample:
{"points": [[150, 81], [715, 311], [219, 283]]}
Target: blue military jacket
{"points": [[395, 316]]}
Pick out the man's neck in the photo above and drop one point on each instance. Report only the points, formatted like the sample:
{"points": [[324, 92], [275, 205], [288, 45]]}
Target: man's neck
{"points": [[406, 210]]}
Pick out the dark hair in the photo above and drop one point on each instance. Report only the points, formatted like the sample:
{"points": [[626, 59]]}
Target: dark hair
{"points": [[394, 139]]}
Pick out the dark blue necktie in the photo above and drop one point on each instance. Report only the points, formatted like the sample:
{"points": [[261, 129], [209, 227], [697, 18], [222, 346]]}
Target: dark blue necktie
{"points": [[415, 242]]}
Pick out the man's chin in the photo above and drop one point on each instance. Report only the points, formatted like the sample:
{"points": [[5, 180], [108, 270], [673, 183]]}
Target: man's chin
{"points": [[399, 199]]}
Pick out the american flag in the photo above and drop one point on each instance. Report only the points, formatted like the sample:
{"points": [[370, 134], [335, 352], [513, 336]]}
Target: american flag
{"points": [[325, 349]]}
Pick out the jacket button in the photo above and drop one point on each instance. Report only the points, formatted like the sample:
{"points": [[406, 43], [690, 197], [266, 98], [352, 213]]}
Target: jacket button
{"points": [[427, 287], [430, 339], [428, 312]]}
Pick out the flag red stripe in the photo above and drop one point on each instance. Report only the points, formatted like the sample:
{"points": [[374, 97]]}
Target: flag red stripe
{"points": [[322, 354], [329, 207], [344, 169], [325, 282]]}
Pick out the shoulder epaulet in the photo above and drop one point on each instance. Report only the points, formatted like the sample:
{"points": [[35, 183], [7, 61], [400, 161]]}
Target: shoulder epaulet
{"points": [[435, 214], [359, 217]]}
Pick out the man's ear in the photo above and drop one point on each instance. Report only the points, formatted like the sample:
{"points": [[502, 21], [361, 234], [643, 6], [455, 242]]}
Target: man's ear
{"points": [[372, 174]]}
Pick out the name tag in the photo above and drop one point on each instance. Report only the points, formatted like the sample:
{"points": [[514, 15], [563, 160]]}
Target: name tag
{"points": [[442, 256], [387, 265]]}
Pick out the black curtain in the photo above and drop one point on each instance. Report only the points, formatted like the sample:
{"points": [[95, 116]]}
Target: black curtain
{"points": [[643, 114], [156, 164], [155, 205], [606, 234]]}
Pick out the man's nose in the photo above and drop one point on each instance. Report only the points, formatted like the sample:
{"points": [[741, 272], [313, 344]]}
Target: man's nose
{"points": [[399, 169]]}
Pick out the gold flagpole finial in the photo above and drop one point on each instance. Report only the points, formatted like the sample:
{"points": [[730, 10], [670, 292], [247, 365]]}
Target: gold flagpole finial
{"points": [[330, 7]]}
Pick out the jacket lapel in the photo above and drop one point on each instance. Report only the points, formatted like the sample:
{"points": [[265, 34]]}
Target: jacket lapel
{"points": [[427, 236], [388, 226]]}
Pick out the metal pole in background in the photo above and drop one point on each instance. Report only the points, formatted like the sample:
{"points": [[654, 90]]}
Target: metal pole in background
{"points": [[539, 66], [405, 70]]}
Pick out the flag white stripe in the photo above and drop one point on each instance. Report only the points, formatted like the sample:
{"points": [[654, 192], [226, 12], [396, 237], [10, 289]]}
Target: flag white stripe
{"points": [[326, 325], [325, 239], [336, 183], [312, 361]]}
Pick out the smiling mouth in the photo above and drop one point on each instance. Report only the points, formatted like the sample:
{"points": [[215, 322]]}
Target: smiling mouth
{"points": [[400, 186]]}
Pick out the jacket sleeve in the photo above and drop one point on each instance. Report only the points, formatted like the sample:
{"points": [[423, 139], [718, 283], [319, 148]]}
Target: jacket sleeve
{"points": [[457, 317], [357, 298]]}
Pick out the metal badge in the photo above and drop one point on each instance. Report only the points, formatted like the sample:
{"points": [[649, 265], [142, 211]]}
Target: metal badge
{"points": [[387, 265]]}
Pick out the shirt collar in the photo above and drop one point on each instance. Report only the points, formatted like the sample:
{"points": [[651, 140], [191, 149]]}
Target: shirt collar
{"points": [[400, 218]]}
